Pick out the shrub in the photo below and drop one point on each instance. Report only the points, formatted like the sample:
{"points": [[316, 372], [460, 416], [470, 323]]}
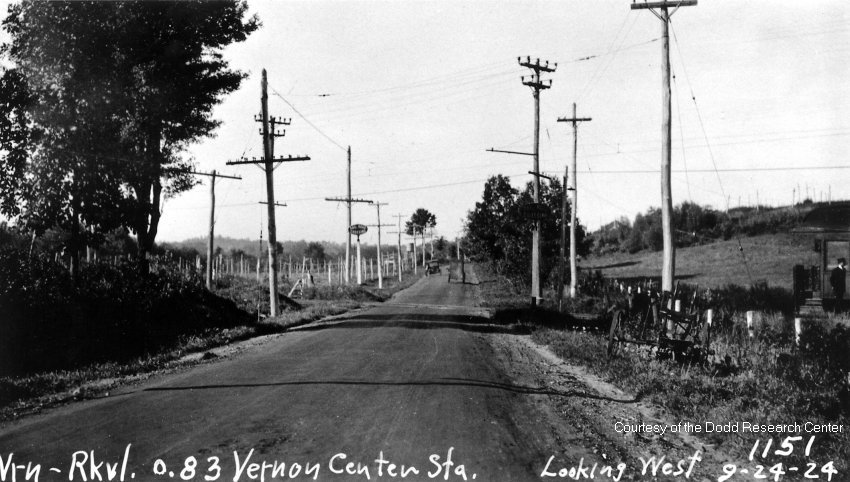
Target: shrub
{"points": [[108, 313]]}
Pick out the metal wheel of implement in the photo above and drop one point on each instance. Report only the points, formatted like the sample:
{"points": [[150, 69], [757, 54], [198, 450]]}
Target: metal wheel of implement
{"points": [[614, 334]]}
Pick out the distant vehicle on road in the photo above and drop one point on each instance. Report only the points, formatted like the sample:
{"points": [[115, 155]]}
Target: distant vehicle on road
{"points": [[433, 267]]}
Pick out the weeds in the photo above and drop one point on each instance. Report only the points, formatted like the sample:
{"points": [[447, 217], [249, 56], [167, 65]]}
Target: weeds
{"points": [[763, 379]]}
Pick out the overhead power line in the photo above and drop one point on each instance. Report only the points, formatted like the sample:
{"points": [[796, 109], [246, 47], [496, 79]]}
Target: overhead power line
{"points": [[525, 173], [308, 120]]}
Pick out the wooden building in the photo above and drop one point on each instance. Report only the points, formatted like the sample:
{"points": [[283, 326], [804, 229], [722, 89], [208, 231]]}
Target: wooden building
{"points": [[829, 227]]}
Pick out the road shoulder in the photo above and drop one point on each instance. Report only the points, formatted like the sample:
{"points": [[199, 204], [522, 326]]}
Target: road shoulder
{"points": [[582, 410]]}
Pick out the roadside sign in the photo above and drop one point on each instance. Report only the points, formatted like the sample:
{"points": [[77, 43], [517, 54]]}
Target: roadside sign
{"points": [[534, 211], [357, 229]]}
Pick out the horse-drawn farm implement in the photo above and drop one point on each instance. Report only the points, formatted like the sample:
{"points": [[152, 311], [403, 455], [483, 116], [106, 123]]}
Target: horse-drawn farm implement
{"points": [[669, 325]]}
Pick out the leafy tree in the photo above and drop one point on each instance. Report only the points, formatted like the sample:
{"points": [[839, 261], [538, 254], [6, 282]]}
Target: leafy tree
{"points": [[315, 250], [104, 98], [420, 220], [488, 225], [441, 244], [497, 231], [15, 138]]}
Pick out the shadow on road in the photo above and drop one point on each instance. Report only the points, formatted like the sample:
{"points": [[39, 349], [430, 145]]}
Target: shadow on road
{"points": [[440, 382], [470, 323]]}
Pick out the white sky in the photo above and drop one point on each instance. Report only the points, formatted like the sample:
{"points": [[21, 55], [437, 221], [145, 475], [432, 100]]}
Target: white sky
{"points": [[420, 90]]}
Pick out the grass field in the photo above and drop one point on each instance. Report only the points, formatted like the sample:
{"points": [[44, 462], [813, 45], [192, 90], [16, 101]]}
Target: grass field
{"points": [[768, 257]]}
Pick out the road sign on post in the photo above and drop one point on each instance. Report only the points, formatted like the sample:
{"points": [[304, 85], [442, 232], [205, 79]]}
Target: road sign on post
{"points": [[534, 211], [357, 229]]}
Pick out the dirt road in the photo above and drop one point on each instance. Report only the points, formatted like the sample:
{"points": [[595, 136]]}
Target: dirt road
{"points": [[423, 382]]}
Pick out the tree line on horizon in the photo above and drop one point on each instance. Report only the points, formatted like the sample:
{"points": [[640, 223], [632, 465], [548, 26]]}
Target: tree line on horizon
{"points": [[694, 225]]}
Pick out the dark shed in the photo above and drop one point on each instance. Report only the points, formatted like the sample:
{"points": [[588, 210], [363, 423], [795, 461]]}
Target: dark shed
{"points": [[830, 228]]}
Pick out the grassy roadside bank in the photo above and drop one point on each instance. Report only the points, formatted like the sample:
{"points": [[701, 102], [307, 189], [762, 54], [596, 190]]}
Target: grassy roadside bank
{"points": [[763, 389], [29, 393]]}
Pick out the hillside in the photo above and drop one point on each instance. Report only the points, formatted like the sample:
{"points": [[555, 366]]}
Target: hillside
{"points": [[695, 225], [769, 257]]}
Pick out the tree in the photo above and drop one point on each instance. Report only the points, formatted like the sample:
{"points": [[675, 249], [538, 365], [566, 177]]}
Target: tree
{"points": [[112, 94], [486, 225], [497, 231], [441, 244], [315, 250], [420, 220]]}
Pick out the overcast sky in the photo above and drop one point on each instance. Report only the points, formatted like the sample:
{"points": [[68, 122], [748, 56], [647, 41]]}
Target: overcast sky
{"points": [[419, 90]]}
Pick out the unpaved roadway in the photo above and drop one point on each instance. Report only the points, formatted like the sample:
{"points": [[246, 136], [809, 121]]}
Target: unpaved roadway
{"points": [[417, 380]]}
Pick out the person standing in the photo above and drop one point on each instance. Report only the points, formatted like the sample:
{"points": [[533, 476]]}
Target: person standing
{"points": [[838, 281]]}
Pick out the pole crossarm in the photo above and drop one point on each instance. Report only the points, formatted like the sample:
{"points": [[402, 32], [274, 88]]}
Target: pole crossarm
{"points": [[536, 65], [283, 205], [664, 4], [510, 152], [541, 175], [274, 120], [536, 83], [274, 159], [574, 119], [199, 173], [348, 200]]}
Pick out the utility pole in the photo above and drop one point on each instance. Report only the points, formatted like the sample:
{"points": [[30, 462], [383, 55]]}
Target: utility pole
{"points": [[210, 246], [536, 84], [424, 251], [414, 252], [668, 267], [572, 177], [380, 260], [268, 164], [400, 262], [348, 200]]}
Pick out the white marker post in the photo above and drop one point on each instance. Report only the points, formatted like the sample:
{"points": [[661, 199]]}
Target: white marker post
{"points": [[750, 329], [798, 330]]}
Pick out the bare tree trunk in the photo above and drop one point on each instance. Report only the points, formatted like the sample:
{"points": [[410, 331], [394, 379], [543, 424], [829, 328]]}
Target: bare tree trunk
{"points": [[149, 196], [74, 244]]}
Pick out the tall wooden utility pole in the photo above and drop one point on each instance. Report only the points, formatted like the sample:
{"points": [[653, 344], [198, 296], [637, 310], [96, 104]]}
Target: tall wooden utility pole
{"points": [[210, 246], [348, 200], [380, 260], [573, 201], [400, 262], [268, 163], [668, 265], [536, 84], [414, 252]]}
